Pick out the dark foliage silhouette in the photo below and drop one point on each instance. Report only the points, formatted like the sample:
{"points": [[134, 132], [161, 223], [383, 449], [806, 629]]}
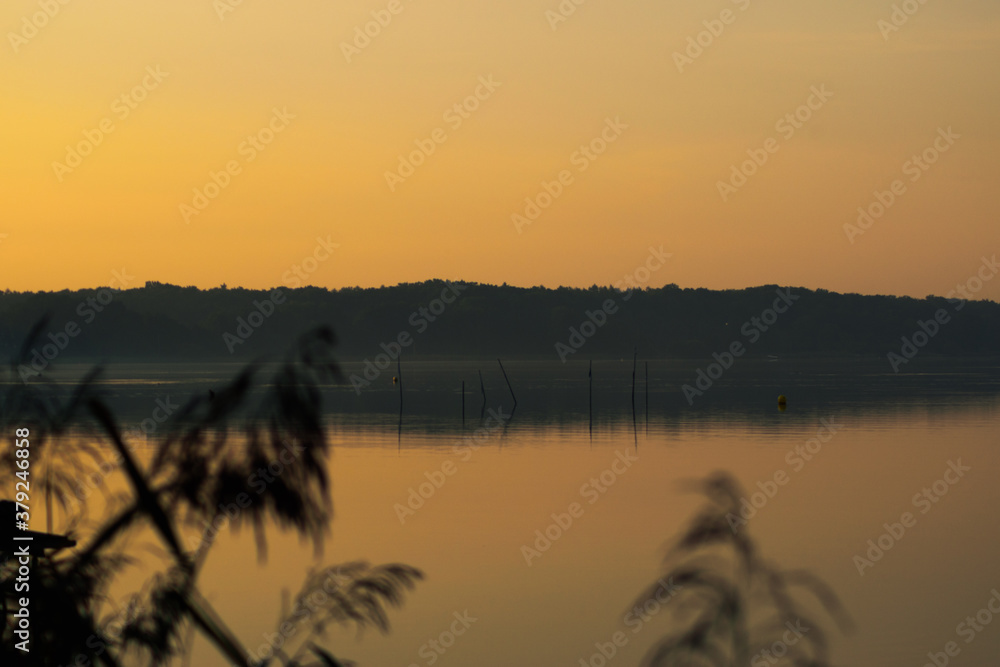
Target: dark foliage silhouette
{"points": [[731, 604], [203, 460], [160, 321]]}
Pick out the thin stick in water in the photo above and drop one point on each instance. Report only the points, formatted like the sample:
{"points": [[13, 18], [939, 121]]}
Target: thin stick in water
{"points": [[635, 358], [399, 377], [508, 383], [482, 388]]}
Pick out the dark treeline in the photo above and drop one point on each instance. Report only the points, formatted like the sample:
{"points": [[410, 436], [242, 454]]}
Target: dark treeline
{"points": [[436, 318]]}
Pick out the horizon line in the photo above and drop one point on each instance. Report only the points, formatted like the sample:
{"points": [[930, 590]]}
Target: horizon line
{"points": [[224, 286]]}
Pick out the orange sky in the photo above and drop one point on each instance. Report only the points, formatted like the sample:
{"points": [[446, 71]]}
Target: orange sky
{"points": [[657, 184]]}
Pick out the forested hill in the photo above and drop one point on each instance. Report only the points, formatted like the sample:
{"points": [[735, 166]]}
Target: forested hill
{"points": [[167, 322]]}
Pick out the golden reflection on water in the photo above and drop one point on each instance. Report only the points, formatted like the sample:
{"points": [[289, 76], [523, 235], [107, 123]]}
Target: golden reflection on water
{"points": [[483, 506]]}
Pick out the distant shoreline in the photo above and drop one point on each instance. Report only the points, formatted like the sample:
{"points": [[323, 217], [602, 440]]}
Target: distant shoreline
{"points": [[440, 320]]}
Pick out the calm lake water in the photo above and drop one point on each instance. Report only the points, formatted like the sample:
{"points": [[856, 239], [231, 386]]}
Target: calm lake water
{"points": [[895, 435]]}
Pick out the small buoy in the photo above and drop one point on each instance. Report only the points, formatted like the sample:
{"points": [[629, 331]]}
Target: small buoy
{"points": [[782, 402], [395, 380]]}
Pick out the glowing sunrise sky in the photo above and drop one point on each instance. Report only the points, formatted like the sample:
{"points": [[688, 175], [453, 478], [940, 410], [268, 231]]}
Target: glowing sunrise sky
{"points": [[324, 174]]}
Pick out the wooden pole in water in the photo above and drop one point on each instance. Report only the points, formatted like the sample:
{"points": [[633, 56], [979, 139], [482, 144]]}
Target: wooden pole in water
{"points": [[647, 393], [508, 383], [399, 376], [482, 388], [635, 358]]}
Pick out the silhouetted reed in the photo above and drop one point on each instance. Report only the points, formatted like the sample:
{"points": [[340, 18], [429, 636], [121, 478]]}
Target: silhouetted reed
{"points": [[203, 464], [731, 604]]}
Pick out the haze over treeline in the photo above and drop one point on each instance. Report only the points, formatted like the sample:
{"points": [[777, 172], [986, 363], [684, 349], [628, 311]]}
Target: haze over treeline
{"points": [[159, 322]]}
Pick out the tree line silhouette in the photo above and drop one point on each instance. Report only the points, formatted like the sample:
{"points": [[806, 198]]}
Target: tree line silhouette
{"points": [[166, 322]]}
